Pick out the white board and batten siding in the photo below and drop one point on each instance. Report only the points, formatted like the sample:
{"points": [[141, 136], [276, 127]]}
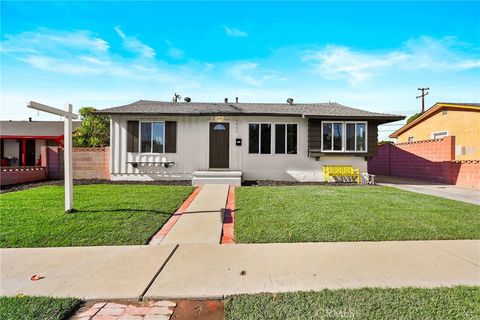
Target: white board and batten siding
{"points": [[192, 151]]}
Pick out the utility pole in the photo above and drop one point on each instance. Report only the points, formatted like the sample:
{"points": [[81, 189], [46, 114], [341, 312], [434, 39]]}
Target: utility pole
{"points": [[424, 93]]}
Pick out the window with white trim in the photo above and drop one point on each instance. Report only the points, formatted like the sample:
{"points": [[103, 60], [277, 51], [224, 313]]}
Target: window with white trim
{"points": [[286, 138], [344, 136], [411, 139], [260, 138], [439, 134], [152, 136]]}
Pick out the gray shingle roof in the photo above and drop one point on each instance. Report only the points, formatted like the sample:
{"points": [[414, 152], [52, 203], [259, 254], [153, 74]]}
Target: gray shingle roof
{"points": [[326, 110], [34, 128]]}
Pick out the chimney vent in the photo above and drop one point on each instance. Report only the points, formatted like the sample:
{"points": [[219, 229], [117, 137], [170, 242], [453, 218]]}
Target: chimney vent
{"points": [[290, 101], [236, 99], [187, 99], [226, 100]]}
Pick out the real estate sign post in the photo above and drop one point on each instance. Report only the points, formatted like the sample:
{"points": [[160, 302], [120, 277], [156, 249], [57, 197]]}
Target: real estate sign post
{"points": [[68, 165]]}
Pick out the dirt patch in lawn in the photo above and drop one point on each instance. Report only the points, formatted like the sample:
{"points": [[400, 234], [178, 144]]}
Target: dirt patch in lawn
{"points": [[25, 186]]}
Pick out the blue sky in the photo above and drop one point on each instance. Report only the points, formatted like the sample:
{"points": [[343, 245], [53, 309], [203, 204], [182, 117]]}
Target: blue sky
{"points": [[371, 55]]}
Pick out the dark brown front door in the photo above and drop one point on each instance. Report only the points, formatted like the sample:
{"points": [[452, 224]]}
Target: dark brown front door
{"points": [[219, 145], [30, 153]]}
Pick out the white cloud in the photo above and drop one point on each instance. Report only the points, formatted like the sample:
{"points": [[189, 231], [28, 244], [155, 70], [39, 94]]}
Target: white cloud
{"points": [[208, 66], [173, 52], [234, 32], [82, 53], [134, 45], [43, 39], [340, 62], [250, 73]]}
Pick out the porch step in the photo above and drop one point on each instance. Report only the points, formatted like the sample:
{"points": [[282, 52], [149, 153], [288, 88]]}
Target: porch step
{"points": [[233, 178]]}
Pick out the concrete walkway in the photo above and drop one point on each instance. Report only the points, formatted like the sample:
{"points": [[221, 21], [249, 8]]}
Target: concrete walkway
{"points": [[431, 188], [214, 271], [202, 220]]}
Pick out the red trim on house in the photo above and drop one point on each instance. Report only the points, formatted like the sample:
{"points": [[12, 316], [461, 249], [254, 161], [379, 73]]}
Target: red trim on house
{"points": [[228, 236], [158, 237], [60, 137], [23, 156]]}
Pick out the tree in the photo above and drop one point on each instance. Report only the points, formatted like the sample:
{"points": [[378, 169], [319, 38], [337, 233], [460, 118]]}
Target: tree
{"points": [[94, 130], [415, 116]]}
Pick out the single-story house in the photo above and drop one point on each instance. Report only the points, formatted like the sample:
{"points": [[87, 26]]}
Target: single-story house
{"points": [[255, 141], [21, 141], [443, 119]]}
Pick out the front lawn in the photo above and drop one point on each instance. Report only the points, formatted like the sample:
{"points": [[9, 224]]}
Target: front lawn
{"points": [[107, 215], [349, 213], [407, 303], [33, 308]]}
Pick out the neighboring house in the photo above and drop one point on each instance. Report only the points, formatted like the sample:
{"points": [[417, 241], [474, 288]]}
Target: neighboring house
{"points": [[461, 120], [20, 141], [260, 141]]}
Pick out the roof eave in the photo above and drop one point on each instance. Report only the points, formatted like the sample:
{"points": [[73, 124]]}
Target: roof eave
{"points": [[382, 119]]}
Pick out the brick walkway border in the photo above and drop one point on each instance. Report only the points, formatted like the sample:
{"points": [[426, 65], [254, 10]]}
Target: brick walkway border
{"points": [[158, 237], [229, 218]]}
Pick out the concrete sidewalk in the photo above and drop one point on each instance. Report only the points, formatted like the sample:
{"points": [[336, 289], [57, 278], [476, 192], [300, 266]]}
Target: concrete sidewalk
{"points": [[202, 220], [201, 271], [431, 188], [214, 271], [84, 272]]}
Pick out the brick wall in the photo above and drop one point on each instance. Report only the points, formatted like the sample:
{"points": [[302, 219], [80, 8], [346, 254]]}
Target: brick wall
{"points": [[88, 163], [431, 160]]}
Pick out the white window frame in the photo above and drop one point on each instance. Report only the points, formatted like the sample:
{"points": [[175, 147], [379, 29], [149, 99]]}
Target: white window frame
{"points": [[151, 137], [344, 136], [437, 132], [275, 141], [272, 129], [411, 139]]}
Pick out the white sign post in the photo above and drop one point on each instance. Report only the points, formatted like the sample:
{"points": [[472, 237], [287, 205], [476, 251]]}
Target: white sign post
{"points": [[67, 136]]}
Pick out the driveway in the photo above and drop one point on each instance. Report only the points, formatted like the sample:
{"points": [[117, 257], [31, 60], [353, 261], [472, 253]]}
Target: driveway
{"points": [[432, 188]]}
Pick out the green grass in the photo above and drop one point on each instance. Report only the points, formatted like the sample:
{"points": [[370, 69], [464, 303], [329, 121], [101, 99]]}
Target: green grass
{"points": [[347, 213], [107, 215], [407, 303], [45, 308]]}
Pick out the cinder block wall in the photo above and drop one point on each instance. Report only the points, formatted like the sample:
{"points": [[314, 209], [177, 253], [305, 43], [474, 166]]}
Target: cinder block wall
{"points": [[380, 163], [91, 163], [430, 160], [88, 163], [15, 175], [466, 173], [426, 160]]}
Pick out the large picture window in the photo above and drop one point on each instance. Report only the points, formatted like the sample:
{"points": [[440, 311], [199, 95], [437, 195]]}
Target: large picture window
{"points": [[286, 138], [152, 137], [260, 138], [344, 136]]}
